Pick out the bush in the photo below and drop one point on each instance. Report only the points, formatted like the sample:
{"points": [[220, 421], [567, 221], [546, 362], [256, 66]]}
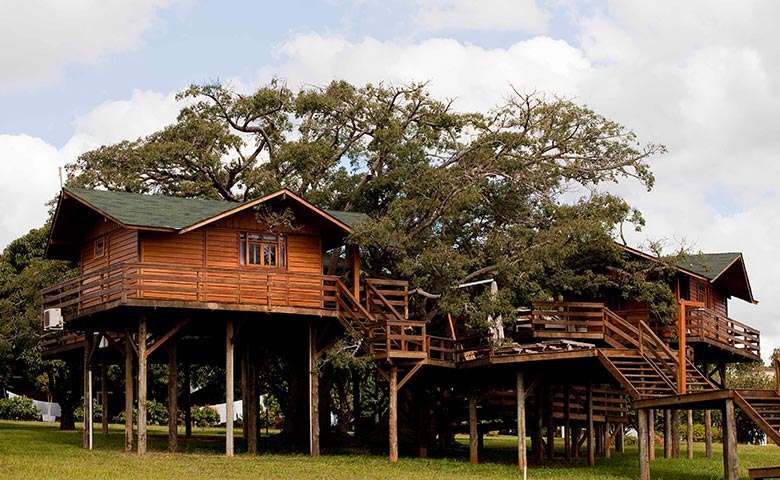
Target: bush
{"points": [[18, 408], [204, 416], [97, 412], [698, 433], [156, 414]]}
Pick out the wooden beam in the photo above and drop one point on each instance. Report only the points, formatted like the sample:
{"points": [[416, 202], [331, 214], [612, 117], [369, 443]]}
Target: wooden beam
{"points": [[651, 433], [567, 423], [550, 423], [473, 427], [644, 450], [675, 434], [522, 460], [129, 339], [667, 433], [141, 385], [409, 375], [173, 411], [392, 427], [607, 440], [229, 450], [128, 394], [89, 341], [314, 395], [113, 344], [620, 443], [104, 396], [689, 435], [730, 467], [355, 251], [590, 432], [708, 433], [187, 401], [167, 336], [250, 399]]}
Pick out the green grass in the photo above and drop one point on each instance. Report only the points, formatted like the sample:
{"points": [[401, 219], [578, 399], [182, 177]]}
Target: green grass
{"points": [[40, 451]]}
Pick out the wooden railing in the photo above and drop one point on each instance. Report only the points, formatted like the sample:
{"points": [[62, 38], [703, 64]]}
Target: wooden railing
{"points": [[194, 284], [608, 403], [707, 325], [560, 318], [398, 338], [387, 299]]}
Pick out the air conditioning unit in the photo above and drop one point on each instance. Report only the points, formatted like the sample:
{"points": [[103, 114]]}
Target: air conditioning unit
{"points": [[52, 319]]}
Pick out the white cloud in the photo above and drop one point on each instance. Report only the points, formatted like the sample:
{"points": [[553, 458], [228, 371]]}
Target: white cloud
{"points": [[28, 179], [41, 37], [501, 15], [29, 166], [477, 77]]}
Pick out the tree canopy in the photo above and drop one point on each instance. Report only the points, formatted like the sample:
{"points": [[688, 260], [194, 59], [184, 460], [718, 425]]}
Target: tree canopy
{"points": [[512, 193]]}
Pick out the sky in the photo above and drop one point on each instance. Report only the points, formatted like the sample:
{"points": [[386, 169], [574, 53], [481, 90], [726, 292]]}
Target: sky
{"points": [[701, 77]]}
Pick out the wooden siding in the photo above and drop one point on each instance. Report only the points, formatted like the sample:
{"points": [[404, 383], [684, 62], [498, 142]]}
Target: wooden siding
{"points": [[167, 248], [247, 220], [221, 247], [304, 255]]}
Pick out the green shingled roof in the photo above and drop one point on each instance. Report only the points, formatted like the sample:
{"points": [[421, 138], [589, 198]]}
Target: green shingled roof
{"points": [[152, 211], [708, 265], [158, 211], [348, 218]]}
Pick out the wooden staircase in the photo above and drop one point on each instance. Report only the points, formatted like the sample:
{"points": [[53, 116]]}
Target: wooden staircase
{"points": [[763, 408], [643, 363], [387, 332]]}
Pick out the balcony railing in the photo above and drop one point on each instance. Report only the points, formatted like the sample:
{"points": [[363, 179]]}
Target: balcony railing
{"points": [[135, 281], [707, 325]]}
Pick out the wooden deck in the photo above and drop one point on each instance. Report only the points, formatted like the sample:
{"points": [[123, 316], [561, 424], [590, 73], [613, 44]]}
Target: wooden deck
{"points": [[707, 326]]}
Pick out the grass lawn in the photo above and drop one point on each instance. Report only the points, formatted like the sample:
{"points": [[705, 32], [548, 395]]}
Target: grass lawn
{"points": [[30, 450]]}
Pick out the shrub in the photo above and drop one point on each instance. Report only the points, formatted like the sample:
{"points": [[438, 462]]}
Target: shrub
{"points": [[18, 408], [97, 412], [204, 416], [156, 414]]}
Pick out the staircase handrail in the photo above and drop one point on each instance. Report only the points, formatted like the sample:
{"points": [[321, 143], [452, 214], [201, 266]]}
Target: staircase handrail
{"points": [[342, 293], [377, 295], [647, 342]]}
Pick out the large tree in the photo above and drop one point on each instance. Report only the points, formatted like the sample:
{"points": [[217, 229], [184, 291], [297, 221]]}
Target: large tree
{"points": [[453, 196]]}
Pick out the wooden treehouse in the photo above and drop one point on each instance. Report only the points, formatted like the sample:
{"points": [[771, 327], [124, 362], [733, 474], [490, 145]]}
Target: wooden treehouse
{"points": [[213, 280]]}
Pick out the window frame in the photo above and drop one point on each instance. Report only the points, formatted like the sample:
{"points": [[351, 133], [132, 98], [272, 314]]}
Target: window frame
{"points": [[255, 249], [99, 247]]}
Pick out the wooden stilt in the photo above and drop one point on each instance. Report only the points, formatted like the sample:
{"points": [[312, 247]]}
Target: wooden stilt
{"points": [[730, 466], [522, 460], [89, 340], [173, 407], [392, 427], [575, 442], [675, 434], [689, 435], [141, 385], [651, 433], [250, 400], [566, 424], [473, 428], [129, 357], [187, 402], [422, 418], [620, 444], [242, 355], [550, 424], [104, 396], [607, 440], [667, 433], [314, 399], [644, 451], [229, 450], [538, 438], [590, 433], [708, 433]]}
